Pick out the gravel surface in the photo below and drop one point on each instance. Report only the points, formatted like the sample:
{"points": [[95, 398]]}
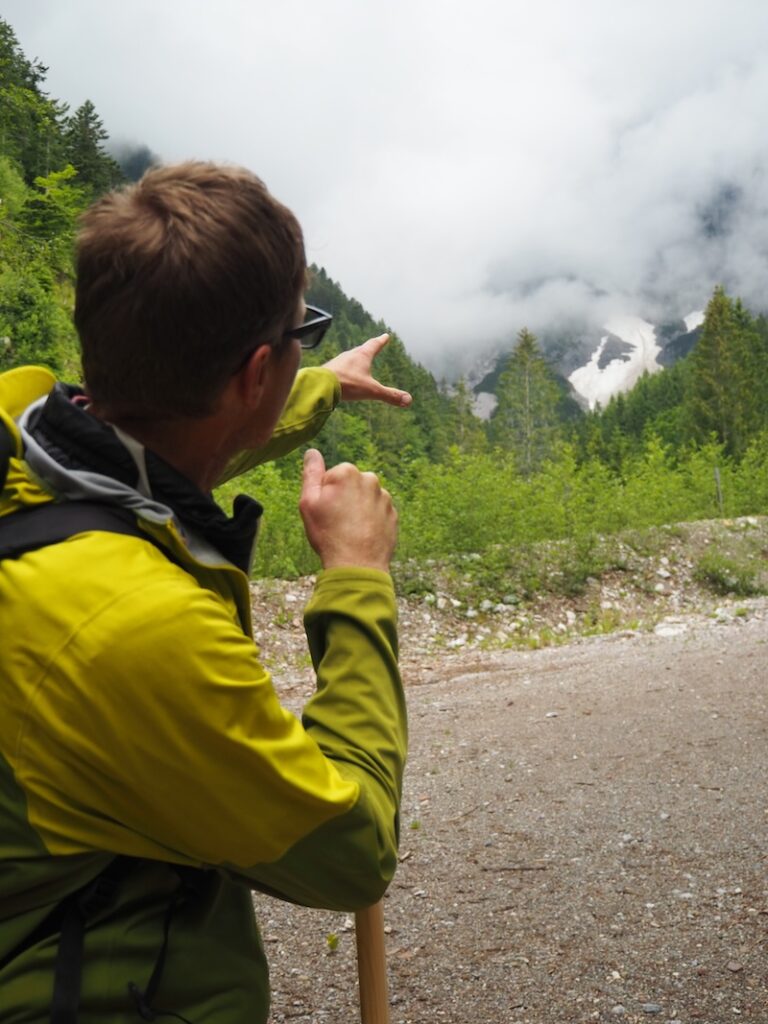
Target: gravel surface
{"points": [[584, 839]]}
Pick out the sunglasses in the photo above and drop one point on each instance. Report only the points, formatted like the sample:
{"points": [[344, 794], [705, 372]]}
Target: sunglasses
{"points": [[312, 331]]}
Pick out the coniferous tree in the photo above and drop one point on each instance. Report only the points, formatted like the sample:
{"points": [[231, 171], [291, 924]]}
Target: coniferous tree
{"points": [[84, 136], [15, 69], [37, 133], [725, 387], [30, 122], [525, 419]]}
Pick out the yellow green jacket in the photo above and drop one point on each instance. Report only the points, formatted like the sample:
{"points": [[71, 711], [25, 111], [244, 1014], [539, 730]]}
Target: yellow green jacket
{"points": [[136, 718]]}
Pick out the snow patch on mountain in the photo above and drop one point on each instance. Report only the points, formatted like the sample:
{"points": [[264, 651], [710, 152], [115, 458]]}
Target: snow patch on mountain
{"points": [[628, 347], [602, 377]]}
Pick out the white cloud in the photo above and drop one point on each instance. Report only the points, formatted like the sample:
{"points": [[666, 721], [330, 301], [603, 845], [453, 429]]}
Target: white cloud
{"points": [[461, 169]]}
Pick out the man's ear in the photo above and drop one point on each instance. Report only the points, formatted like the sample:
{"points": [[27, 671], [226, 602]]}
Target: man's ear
{"points": [[252, 378]]}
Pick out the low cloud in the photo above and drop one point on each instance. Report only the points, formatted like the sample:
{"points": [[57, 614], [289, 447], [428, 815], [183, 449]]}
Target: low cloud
{"points": [[463, 171]]}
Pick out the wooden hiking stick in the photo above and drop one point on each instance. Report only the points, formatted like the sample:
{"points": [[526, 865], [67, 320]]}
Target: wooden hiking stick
{"points": [[372, 965]]}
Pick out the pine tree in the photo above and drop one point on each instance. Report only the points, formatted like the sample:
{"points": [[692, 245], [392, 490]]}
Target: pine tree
{"points": [[525, 419], [84, 136], [726, 392], [15, 69], [30, 122]]}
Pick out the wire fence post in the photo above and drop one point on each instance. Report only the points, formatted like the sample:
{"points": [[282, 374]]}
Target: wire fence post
{"points": [[719, 492]]}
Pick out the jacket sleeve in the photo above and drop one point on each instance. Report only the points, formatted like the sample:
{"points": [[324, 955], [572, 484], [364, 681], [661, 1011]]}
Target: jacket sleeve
{"points": [[315, 394], [157, 733], [357, 717]]}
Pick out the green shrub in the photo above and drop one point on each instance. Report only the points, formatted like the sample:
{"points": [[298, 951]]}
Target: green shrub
{"points": [[727, 575], [282, 549]]}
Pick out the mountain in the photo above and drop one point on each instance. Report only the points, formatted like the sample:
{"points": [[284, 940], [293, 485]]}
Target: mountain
{"points": [[631, 347], [595, 365]]}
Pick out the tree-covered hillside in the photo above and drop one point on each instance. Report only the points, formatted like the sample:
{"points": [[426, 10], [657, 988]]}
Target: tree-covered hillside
{"points": [[657, 455], [377, 435], [52, 164]]}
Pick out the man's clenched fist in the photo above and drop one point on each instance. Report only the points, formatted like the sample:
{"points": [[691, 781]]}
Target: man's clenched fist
{"points": [[348, 517]]}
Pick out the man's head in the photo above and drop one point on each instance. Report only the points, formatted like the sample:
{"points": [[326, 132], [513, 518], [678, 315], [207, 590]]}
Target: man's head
{"points": [[178, 278]]}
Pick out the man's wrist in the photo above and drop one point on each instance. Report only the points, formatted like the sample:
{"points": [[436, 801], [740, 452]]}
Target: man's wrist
{"points": [[355, 572], [356, 563]]}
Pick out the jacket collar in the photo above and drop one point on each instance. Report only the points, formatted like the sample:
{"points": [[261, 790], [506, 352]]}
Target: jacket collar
{"points": [[78, 441]]}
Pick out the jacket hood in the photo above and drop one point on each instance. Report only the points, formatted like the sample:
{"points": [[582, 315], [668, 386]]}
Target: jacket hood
{"points": [[62, 462], [78, 457]]}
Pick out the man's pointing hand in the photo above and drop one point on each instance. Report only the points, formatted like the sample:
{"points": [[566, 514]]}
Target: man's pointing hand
{"points": [[354, 370]]}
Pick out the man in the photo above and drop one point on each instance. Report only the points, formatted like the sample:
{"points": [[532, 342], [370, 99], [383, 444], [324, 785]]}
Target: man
{"points": [[141, 741]]}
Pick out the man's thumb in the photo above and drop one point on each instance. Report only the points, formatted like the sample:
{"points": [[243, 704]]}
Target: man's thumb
{"points": [[314, 470]]}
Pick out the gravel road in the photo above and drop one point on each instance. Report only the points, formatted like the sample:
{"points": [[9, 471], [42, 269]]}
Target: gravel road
{"points": [[584, 839]]}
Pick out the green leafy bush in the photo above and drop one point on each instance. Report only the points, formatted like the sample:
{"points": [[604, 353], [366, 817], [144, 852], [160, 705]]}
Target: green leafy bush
{"points": [[727, 575], [282, 549]]}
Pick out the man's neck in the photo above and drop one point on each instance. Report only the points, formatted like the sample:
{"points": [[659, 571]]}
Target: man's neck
{"points": [[244, 416], [194, 447]]}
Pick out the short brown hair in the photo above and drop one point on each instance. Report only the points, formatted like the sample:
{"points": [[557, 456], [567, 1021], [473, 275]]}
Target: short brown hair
{"points": [[178, 276]]}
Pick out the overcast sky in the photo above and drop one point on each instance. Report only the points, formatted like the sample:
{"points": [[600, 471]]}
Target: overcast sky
{"points": [[463, 169]]}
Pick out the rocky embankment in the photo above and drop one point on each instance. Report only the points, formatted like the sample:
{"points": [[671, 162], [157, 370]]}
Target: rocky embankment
{"points": [[659, 587]]}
